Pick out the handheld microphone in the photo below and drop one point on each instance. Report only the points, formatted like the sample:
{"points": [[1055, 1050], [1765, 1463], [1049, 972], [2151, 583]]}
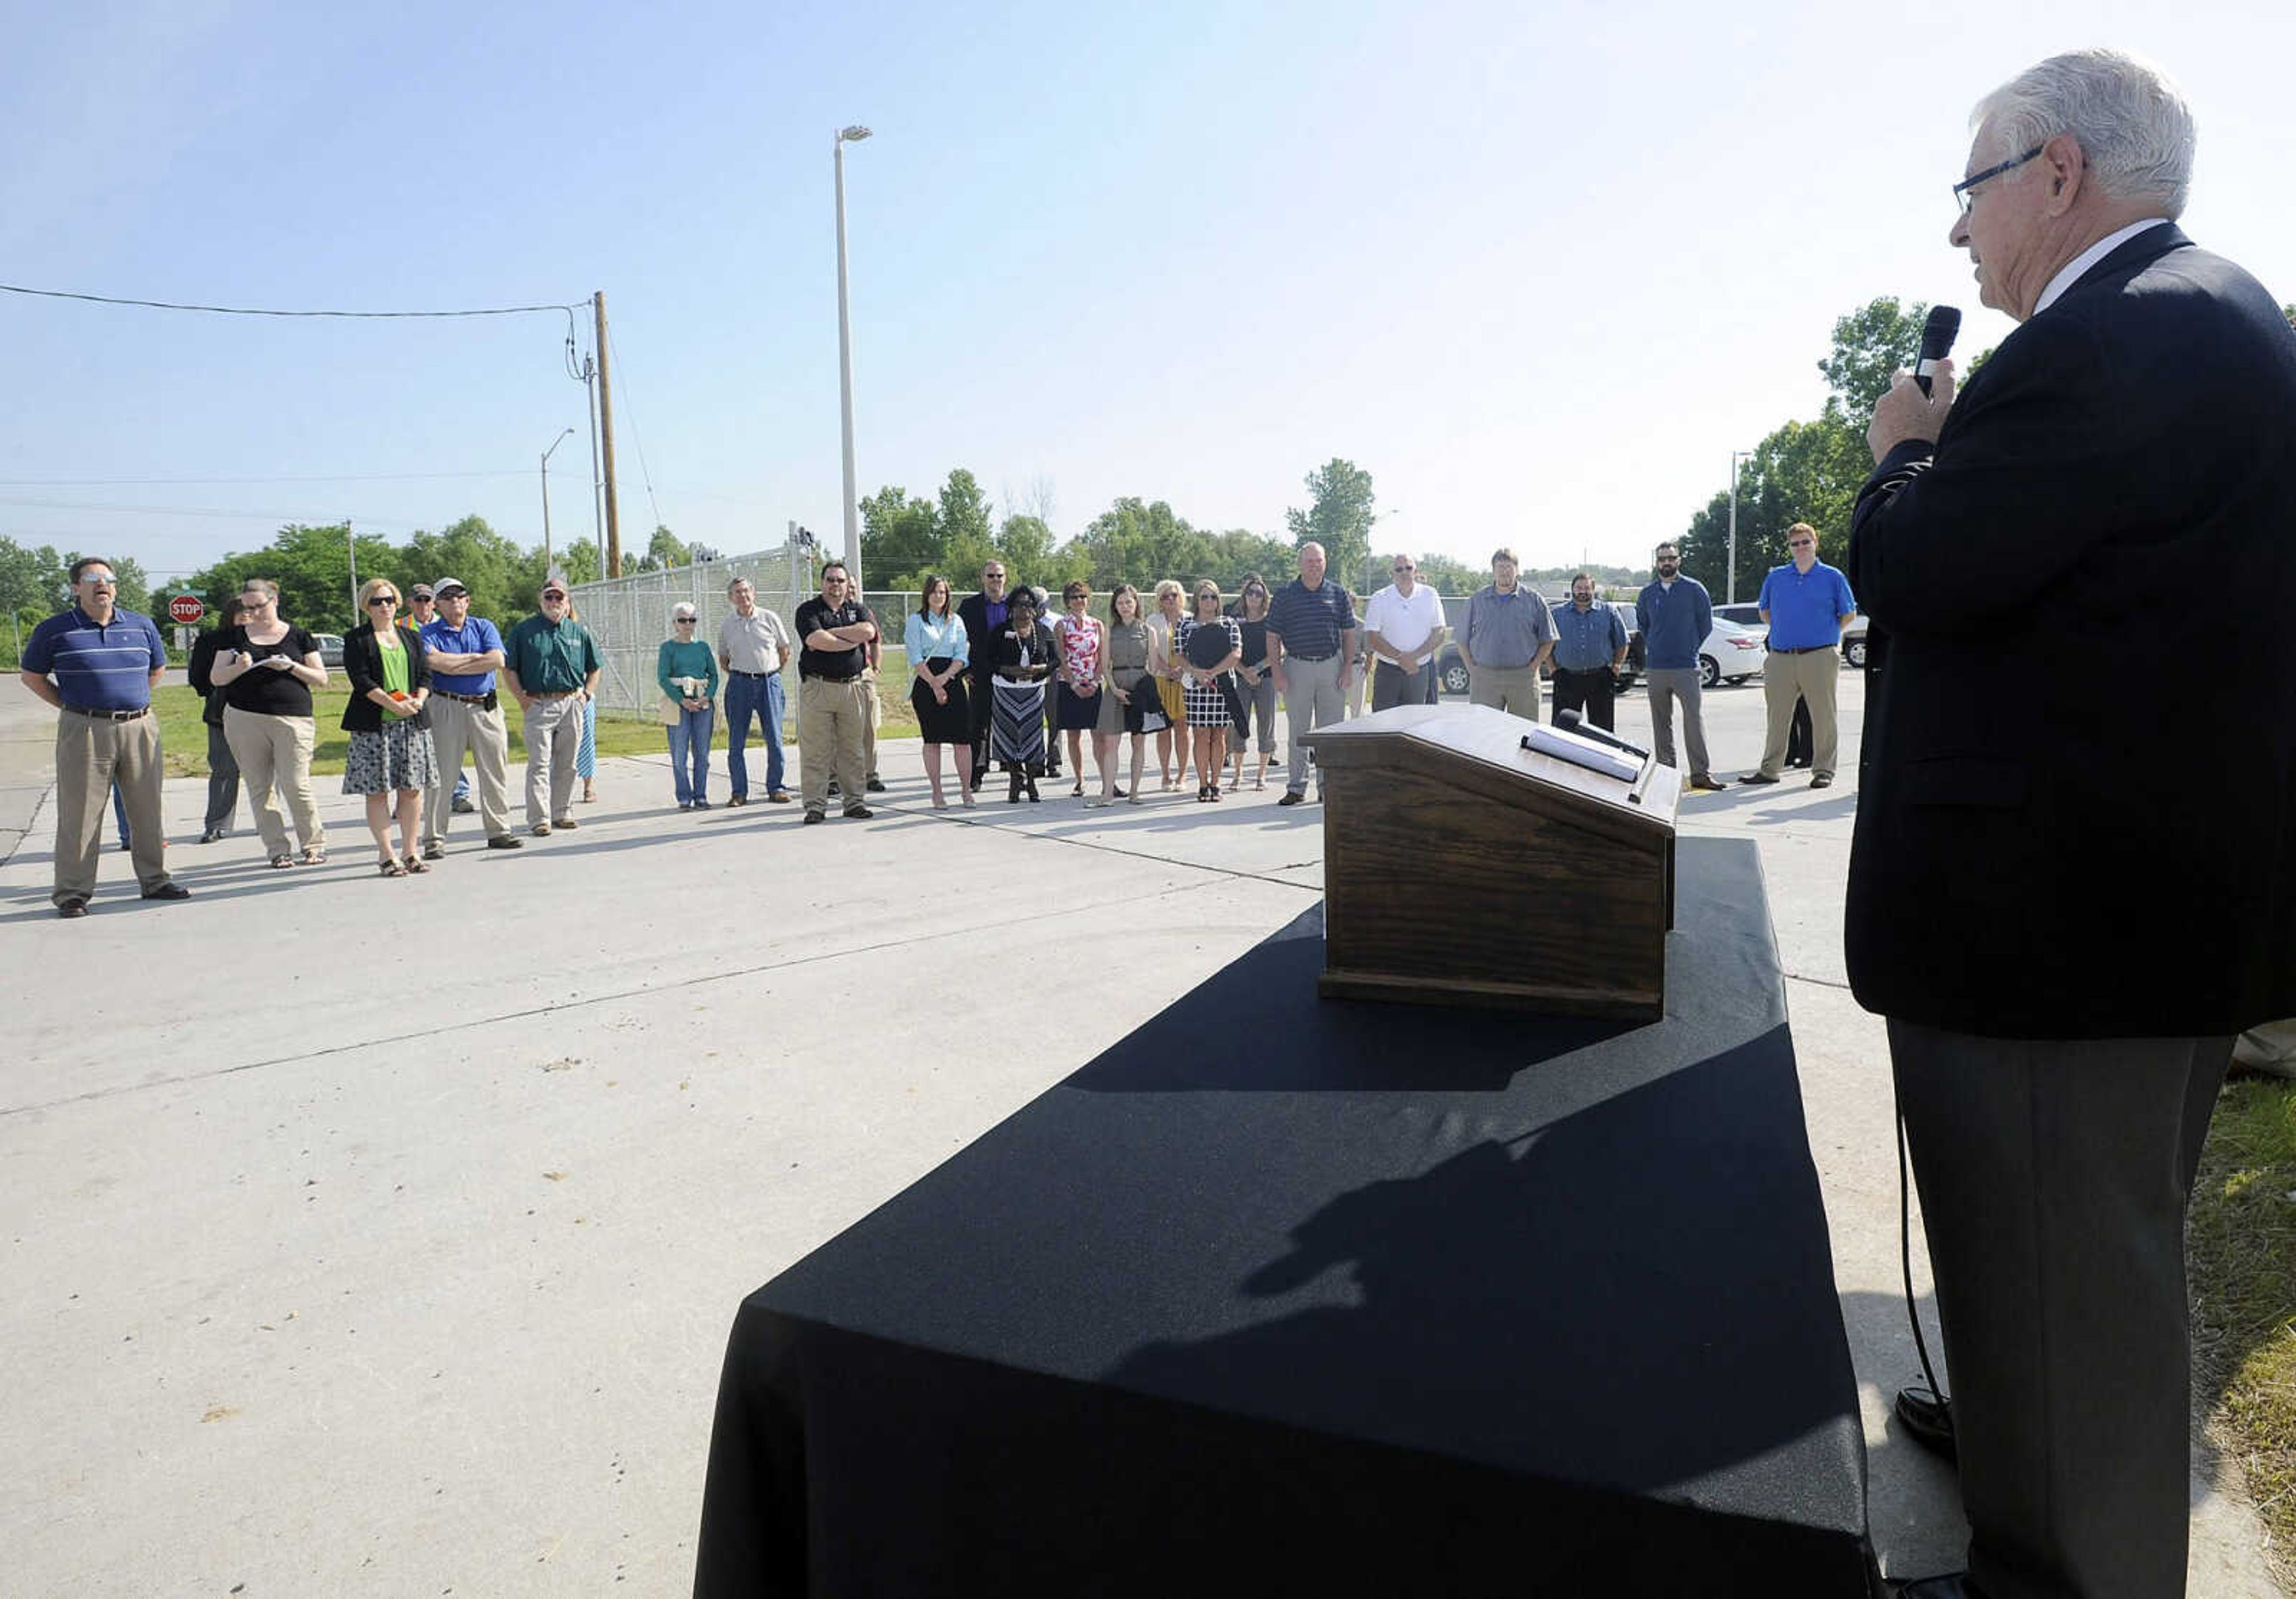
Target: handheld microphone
{"points": [[1570, 721], [1937, 334]]}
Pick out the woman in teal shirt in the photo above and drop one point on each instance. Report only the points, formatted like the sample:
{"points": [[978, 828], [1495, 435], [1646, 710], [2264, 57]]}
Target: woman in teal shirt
{"points": [[688, 675]]}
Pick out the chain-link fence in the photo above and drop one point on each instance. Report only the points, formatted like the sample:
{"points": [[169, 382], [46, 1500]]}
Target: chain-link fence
{"points": [[630, 616]]}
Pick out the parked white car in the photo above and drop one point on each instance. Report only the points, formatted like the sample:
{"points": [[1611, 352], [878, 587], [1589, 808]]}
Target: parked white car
{"points": [[1732, 652]]}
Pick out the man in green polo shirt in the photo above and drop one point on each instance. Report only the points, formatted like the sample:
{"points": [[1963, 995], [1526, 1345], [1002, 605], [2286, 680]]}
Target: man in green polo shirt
{"points": [[551, 663]]}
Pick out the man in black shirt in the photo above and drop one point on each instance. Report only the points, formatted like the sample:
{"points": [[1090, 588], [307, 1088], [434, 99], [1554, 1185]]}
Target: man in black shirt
{"points": [[833, 715]]}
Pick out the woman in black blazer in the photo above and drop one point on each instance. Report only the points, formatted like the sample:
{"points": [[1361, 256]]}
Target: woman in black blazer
{"points": [[390, 724]]}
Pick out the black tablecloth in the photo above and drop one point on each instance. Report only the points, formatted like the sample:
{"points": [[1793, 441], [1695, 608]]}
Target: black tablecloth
{"points": [[1288, 1295]]}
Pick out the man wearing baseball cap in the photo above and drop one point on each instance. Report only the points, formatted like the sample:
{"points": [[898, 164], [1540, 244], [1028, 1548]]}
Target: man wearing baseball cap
{"points": [[422, 609], [552, 664], [464, 652]]}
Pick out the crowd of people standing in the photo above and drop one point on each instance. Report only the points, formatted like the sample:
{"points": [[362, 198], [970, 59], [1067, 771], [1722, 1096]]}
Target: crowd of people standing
{"points": [[1003, 681]]}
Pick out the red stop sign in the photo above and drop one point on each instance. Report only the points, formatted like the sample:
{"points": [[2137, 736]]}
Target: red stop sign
{"points": [[186, 609]]}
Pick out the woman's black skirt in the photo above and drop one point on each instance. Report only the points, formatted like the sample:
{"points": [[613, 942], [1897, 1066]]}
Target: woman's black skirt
{"points": [[949, 723]]}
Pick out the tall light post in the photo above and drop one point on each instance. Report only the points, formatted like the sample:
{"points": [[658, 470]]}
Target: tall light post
{"points": [[845, 135], [554, 443], [1730, 584]]}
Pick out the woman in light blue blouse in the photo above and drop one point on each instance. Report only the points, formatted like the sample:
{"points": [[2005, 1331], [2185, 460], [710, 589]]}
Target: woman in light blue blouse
{"points": [[687, 672], [939, 650]]}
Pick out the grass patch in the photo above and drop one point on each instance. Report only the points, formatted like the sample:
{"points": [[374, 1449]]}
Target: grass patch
{"points": [[184, 740], [2242, 1251]]}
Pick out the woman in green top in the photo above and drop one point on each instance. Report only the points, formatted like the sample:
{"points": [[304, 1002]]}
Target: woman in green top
{"points": [[390, 724], [688, 675]]}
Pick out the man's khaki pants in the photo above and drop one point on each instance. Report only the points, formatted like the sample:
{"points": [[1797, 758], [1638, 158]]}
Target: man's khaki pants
{"points": [[554, 738], [1512, 689], [875, 705], [1814, 675], [832, 736], [274, 764], [1311, 700], [456, 726], [92, 754]]}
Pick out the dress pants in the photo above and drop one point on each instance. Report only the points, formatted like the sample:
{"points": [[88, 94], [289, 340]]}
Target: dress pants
{"points": [[1392, 686], [274, 762], [223, 779], [1664, 688], [2054, 1176], [455, 726], [1311, 700], [875, 709], [1593, 694], [91, 755], [554, 735], [1512, 689], [832, 736], [1812, 676], [747, 698]]}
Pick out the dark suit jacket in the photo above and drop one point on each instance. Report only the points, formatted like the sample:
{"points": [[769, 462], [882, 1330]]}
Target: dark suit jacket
{"points": [[363, 664], [202, 674], [2078, 815]]}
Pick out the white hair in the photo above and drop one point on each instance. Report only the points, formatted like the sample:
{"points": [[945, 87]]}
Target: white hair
{"points": [[2133, 125]]}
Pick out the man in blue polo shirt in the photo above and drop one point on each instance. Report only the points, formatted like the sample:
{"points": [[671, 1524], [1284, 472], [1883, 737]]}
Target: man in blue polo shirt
{"points": [[1311, 643], [105, 662], [465, 651], [1807, 604]]}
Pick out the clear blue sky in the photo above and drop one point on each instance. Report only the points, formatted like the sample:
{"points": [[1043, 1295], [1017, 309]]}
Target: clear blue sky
{"points": [[1538, 268]]}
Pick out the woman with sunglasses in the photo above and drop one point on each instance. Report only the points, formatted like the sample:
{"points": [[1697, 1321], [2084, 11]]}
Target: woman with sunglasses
{"points": [[267, 669], [388, 720], [1207, 685], [687, 673]]}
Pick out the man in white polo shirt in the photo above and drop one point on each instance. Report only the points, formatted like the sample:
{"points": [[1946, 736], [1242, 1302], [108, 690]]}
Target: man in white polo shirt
{"points": [[1405, 622]]}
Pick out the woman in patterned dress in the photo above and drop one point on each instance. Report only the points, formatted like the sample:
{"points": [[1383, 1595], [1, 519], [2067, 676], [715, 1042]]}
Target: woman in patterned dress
{"points": [[389, 725], [1016, 728], [1209, 713]]}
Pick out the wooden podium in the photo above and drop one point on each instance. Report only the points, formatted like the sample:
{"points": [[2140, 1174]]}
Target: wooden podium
{"points": [[1461, 869]]}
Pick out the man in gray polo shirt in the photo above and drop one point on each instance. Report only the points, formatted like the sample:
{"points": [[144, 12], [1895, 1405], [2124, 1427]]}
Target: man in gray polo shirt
{"points": [[1506, 639], [753, 648]]}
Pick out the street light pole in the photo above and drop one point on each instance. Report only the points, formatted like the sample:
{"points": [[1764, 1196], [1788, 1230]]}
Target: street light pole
{"points": [[554, 443], [1730, 584], [845, 135]]}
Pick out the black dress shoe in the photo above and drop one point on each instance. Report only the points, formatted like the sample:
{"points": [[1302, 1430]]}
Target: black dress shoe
{"points": [[1928, 1421], [503, 841], [1757, 778], [167, 891], [875, 787], [70, 908]]}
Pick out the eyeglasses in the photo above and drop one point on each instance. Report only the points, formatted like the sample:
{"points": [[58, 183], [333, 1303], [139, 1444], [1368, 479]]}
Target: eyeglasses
{"points": [[101, 579], [382, 600], [1798, 544], [682, 621], [1406, 566], [552, 593], [1964, 191]]}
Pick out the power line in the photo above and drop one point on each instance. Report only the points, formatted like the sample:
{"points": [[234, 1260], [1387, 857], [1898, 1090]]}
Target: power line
{"points": [[388, 477], [166, 305], [644, 474]]}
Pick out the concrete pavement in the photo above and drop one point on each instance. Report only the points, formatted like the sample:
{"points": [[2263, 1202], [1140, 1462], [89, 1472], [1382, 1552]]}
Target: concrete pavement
{"points": [[374, 1236]]}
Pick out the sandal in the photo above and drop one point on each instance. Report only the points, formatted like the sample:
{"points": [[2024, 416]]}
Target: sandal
{"points": [[280, 862], [315, 855], [390, 868], [1077, 793], [1134, 797], [414, 866]]}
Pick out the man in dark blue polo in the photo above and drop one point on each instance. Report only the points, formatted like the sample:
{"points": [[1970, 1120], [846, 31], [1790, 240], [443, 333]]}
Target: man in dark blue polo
{"points": [[1674, 614], [1590, 646], [1807, 604], [1311, 643], [105, 664], [465, 651]]}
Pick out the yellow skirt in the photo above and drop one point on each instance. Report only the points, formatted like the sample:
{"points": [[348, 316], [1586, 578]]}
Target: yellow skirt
{"points": [[1175, 699]]}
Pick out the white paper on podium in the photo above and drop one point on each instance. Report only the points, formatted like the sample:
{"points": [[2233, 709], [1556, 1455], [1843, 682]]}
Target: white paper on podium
{"points": [[1581, 752]]}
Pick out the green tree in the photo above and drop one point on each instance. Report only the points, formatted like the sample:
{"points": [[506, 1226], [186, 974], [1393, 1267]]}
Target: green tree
{"points": [[493, 568], [1340, 517], [1142, 543], [28, 577], [1870, 344], [900, 538], [965, 514]]}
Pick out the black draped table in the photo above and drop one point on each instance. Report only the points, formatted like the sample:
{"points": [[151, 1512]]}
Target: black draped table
{"points": [[1285, 1295]]}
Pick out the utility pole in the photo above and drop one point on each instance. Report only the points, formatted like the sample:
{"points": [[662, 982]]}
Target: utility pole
{"points": [[351, 539], [845, 363], [1730, 584], [606, 442], [553, 450]]}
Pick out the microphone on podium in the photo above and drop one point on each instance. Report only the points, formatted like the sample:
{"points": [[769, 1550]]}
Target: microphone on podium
{"points": [[1570, 721], [1937, 334]]}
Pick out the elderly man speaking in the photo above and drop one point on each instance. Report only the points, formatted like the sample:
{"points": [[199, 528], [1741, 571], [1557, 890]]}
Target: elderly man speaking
{"points": [[2067, 904]]}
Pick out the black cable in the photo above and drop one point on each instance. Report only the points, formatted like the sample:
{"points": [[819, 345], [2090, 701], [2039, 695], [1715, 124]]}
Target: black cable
{"points": [[165, 305]]}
